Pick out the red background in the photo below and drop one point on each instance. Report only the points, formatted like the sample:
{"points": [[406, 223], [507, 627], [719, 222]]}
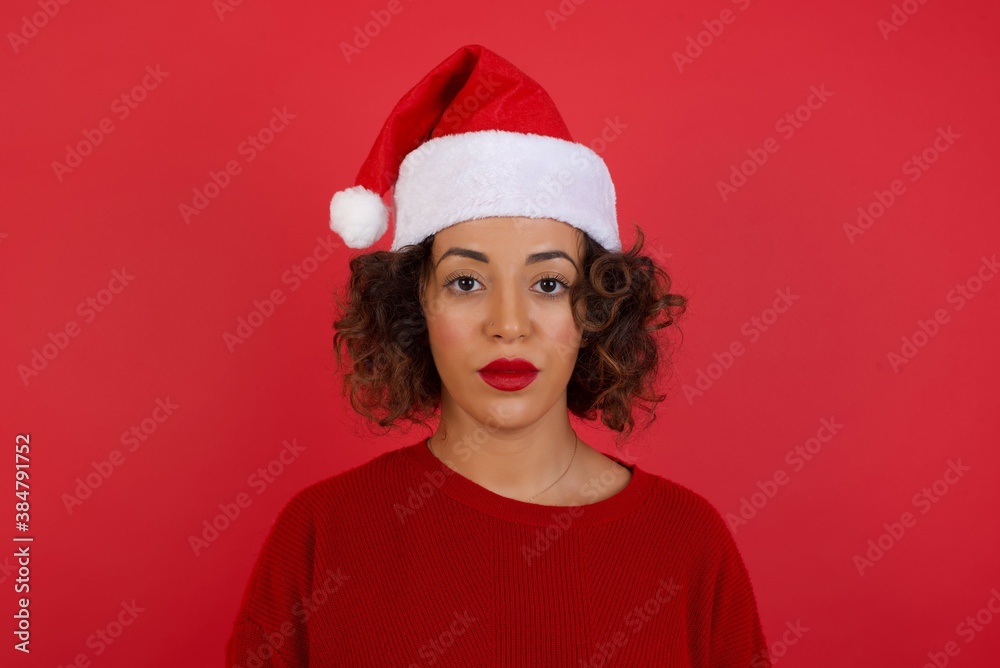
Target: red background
{"points": [[681, 130]]}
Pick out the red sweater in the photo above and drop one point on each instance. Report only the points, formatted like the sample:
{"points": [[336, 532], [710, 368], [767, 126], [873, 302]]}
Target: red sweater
{"points": [[403, 562]]}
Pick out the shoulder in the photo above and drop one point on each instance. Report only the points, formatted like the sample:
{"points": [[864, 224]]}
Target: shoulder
{"points": [[349, 491], [690, 514], [333, 511], [683, 502], [694, 530], [722, 619]]}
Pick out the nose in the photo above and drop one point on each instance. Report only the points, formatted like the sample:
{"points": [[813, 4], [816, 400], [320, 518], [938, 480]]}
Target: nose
{"points": [[508, 313]]}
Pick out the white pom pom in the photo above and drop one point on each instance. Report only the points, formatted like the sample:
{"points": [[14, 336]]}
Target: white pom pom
{"points": [[359, 216]]}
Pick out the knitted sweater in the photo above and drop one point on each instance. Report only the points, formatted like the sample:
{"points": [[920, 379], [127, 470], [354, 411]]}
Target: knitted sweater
{"points": [[403, 562]]}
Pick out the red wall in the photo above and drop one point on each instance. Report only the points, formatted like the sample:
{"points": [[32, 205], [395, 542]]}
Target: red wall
{"points": [[865, 360]]}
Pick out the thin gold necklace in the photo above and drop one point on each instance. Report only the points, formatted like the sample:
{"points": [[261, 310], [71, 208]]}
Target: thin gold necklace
{"points": [[575, 446]]}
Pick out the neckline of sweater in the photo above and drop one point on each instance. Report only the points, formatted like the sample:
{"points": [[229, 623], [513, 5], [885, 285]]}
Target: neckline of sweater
{"points": [[456, 486]]}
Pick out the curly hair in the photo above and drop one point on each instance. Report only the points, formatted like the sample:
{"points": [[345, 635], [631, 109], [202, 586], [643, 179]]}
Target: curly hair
{"points": [[390, 375]]}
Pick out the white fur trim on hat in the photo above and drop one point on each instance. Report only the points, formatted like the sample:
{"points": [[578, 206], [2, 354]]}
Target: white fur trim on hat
{"points": [[455, 178], [359, 216]]}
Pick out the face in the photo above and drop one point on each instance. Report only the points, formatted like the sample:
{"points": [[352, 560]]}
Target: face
{"points": [[490, 296]]}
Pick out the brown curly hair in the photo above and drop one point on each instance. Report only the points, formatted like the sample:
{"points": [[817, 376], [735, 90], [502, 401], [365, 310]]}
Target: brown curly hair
{"points": [[390, 375]]}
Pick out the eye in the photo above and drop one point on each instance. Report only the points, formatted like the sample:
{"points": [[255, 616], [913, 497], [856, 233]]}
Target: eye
{"points": [[555, 286], [553, 283], [463, 280]]}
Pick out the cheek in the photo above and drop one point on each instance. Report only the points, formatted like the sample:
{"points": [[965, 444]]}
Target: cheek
{"points": [[451, 336], [442, 325], [564, 339], [448, 329], [564, 331]]}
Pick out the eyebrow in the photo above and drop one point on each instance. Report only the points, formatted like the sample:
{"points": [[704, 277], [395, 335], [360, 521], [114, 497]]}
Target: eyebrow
{"points": [[482, 257]]}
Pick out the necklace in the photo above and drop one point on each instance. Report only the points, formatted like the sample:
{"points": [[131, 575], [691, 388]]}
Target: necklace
{"points": [[575, 446]]}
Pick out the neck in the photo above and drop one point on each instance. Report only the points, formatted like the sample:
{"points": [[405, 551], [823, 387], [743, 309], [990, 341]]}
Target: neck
{"points": [[536, 471]]}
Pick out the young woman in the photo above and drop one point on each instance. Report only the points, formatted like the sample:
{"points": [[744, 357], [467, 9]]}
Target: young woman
{"points": [[505, 303]]}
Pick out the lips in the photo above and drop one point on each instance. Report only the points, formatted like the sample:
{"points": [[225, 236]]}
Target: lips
{"points": [[516, 365], [509, 375]]}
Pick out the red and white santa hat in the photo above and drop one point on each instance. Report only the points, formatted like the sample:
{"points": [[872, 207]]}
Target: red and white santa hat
{"points": [[475, 138]]}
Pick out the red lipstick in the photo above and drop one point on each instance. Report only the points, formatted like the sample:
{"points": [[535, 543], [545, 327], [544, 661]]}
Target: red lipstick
{"points": [[509, 375]]}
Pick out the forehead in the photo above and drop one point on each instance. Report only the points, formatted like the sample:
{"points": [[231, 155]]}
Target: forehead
{"points": [[515, 236]]}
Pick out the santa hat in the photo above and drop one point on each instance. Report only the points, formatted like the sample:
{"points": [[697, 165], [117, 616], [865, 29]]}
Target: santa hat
{"points": [[475, 138]]}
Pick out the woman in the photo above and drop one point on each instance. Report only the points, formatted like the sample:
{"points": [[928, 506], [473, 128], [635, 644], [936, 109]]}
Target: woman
{"points": [[505, 303]]}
